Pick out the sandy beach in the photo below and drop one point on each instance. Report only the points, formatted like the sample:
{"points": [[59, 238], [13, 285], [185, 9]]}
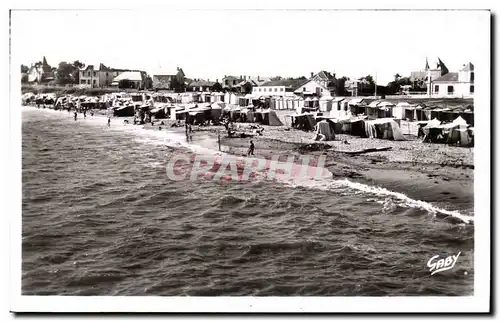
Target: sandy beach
{"points": [[422, 171], [435, 173]]}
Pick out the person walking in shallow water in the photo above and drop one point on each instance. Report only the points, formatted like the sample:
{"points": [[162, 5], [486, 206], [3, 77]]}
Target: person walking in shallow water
{"points": [[251, 148]]}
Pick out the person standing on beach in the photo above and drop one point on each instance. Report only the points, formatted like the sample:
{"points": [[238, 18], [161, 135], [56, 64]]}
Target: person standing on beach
{"points": [[109, 121], [251, 148], [84, 114], [75, 115]]}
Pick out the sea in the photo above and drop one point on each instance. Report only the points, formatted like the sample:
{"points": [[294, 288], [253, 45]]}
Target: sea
{"points": [[101, 217]]}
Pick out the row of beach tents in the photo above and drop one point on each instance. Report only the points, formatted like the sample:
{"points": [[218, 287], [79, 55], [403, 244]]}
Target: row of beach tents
{"points": [[386, 128], [456, 132]]}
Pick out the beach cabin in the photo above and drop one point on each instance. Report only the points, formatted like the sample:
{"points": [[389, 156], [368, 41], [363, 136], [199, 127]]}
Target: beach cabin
{"points": [[325, 103], [339, 107], [357, 106], [217, 97]]}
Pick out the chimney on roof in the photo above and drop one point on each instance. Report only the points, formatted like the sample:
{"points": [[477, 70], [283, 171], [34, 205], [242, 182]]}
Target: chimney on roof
{"points": [[244, 77], [312, 74], [217, 80], [258, 78], [241, 77], [225, 76]]}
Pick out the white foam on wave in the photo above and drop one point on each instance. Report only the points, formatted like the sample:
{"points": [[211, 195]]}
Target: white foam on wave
{"points": [[382, 192]]}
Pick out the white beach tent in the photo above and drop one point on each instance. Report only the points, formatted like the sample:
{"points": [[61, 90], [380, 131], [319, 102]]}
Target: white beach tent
{"points": [[433, 123], [459, 121]]}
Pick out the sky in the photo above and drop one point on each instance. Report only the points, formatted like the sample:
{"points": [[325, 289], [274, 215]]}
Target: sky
{"points": [[209, 44]]}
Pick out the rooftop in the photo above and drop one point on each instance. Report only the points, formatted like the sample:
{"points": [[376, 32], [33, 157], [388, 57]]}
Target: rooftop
{"points": [[201, 83], [132, 76], [292, 83], [450, 77]]}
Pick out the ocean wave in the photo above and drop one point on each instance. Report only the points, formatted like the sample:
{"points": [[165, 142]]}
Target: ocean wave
{"points": [[396, 198]]}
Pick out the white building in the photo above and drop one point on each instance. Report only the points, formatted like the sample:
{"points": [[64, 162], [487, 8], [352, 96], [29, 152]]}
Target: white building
{"points": [[283, 87], [134, 79], [319, 85], [313, 87], [451, 84], [102, 77]]}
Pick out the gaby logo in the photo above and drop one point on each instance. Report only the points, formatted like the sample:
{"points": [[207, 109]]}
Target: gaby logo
{"points": [[437, 265]]}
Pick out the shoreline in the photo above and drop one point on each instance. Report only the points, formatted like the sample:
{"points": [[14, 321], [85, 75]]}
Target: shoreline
{"points": [[442, 175], [446, 186], [438, 174]]}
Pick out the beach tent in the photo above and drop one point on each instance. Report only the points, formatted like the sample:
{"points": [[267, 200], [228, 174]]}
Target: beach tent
{"points": [[451, 133], [385, 128], [200, 114], [177, 113], [247, 115], [304, 121], [433, 123], [460, 135], [350, 125], [324, 131], [126, 110], [432, 132], [235, 114], [159, 112], [267, 117], [459, 121], [216, 110], [273, 119], [358, 127]]}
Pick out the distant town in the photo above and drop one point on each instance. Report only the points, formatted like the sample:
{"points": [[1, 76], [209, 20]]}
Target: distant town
{"points": [[433, 81]]}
